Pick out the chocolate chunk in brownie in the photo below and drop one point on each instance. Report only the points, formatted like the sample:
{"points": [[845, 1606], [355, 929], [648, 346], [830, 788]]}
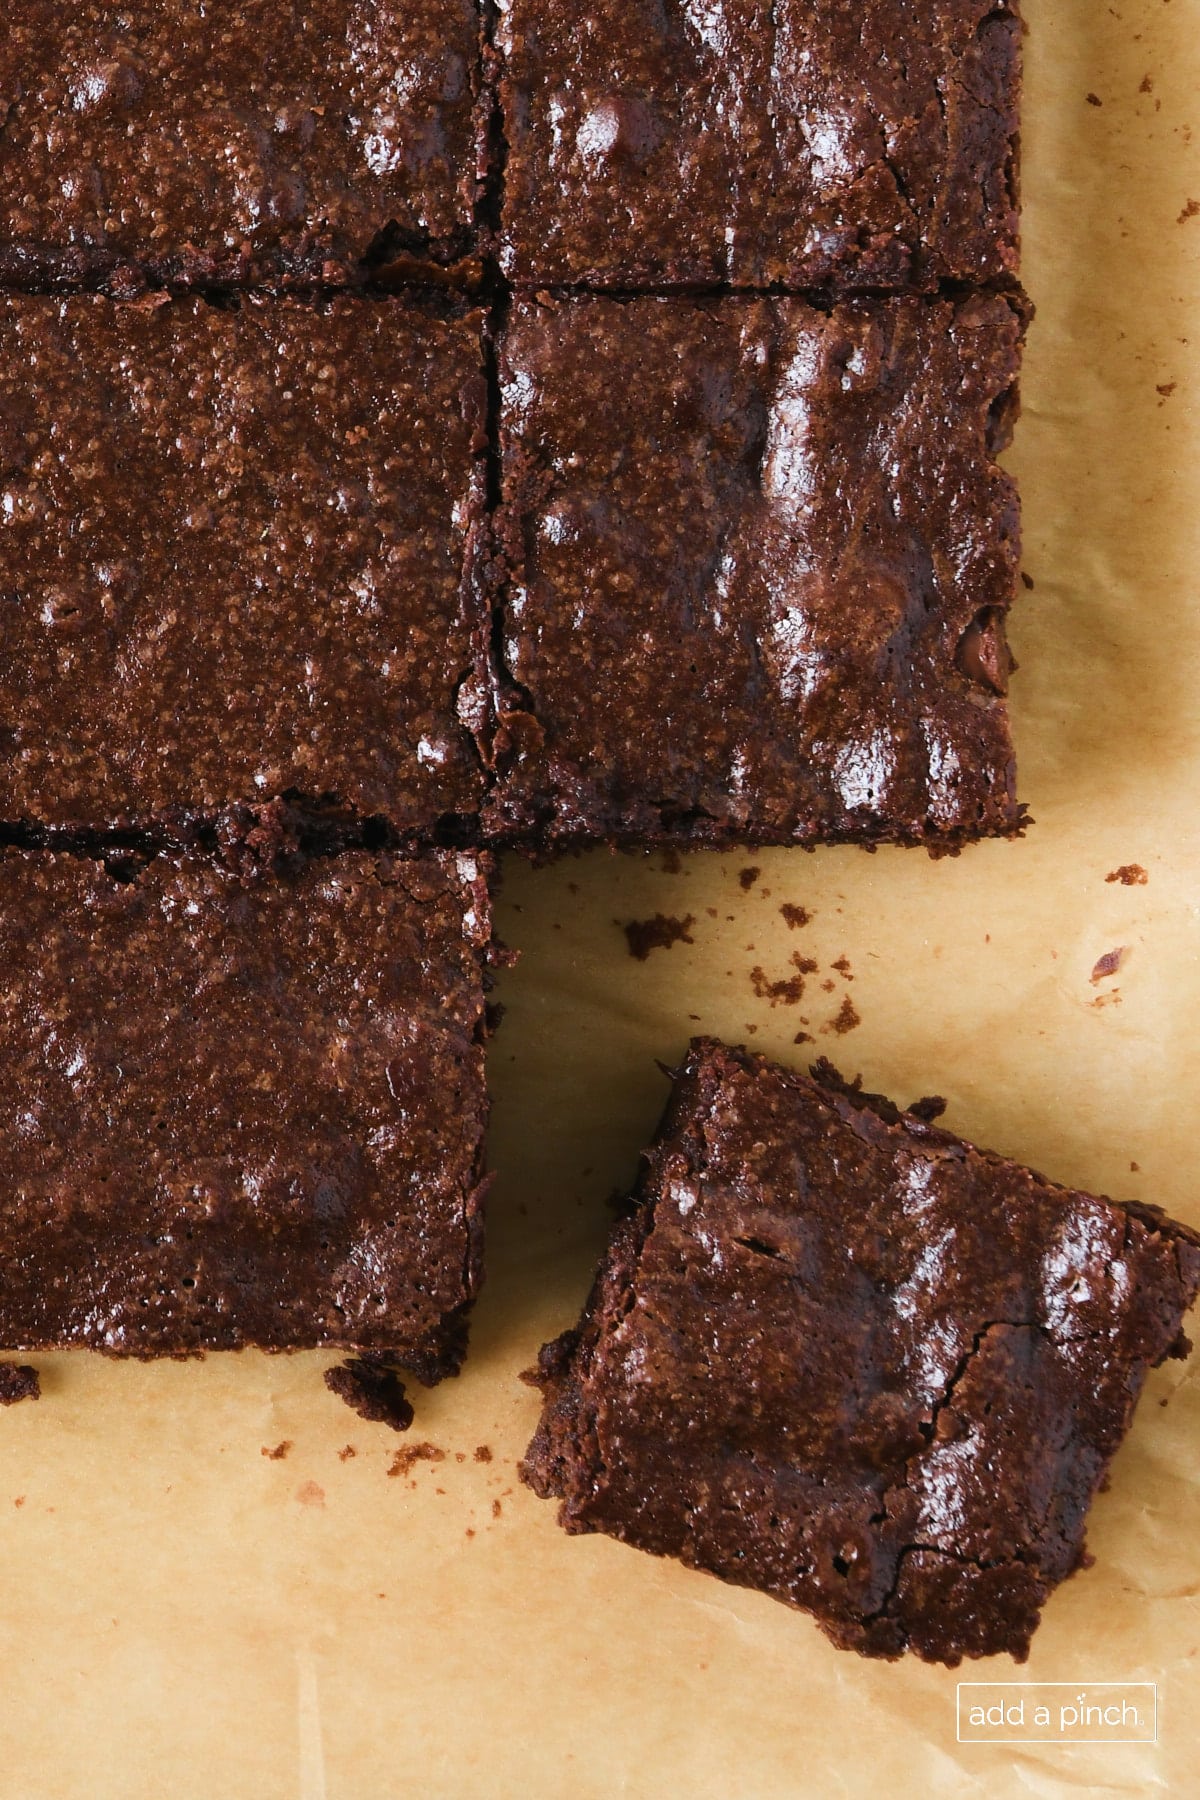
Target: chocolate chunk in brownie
{"points": [[237, 142], [236, 555], [242, 1115], [758, 557], [836, 1354], [802, 142]]}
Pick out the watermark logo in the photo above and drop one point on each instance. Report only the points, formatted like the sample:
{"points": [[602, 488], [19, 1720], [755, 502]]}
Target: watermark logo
{"points": [[1057, 1712]]}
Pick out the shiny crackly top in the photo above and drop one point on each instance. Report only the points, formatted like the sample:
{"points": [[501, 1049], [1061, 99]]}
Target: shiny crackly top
{"points": [[850, 1359], [239, 1114], [756, 141], [220, 139], [234, 557], [759, 559]]}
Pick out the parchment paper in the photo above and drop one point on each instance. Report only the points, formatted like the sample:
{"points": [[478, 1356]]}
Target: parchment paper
{"points": [[183, 1615]]}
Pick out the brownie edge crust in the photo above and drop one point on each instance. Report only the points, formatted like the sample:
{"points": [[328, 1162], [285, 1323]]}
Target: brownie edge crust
{"points": [[838, 1355]]}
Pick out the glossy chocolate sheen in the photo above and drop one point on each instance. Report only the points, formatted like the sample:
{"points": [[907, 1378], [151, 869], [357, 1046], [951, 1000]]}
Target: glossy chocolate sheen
{"points": [[756, 561], [242, 1114], [866, 143], [236, 140], [841, 1356], [236, 557]]}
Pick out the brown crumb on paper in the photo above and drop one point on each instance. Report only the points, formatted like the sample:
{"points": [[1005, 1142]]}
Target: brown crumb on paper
{"points": [[1108, 964], [279, 1452], [1147, 86], [18, 1382], [1027, 580], [497, 1509], [658, 933], [372, 1389], [1189, 212], [747, 878], [794, 916], [1166, 388], [842, 965], [787, 991], [1135, 1168], [804, 1037], [1093, 100], [346, 1453], [846, 1019], [1129, 875], [412, 1454], [483, 1453]]}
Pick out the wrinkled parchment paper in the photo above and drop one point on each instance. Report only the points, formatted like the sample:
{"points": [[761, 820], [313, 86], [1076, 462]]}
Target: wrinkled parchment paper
{"points": [[182, 1614]]}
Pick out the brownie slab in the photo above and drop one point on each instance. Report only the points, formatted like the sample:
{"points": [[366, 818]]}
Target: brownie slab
{"points": [[836, 1354], [237, 142], [756, 559], [236, 553], [242, 1114], [800, 142]]}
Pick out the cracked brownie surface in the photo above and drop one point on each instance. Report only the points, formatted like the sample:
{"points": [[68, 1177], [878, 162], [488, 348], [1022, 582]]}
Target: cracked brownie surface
{"points": [[755, 561], [242, 1112], [836, 1354], [236, 555], [236, 140], [799, 142]]}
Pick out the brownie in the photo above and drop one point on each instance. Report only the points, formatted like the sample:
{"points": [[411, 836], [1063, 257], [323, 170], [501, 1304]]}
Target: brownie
{"points": [[242, 1113], [254, 141], [755, 558], [838, 1355], [801, 142], [236, 553]]}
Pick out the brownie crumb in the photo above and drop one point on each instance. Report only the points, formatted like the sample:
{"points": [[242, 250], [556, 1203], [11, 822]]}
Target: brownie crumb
{"points": [[483, 1453], [279, 1452], [846, 1019], [1093, 100], [406, 1459], [372, 1388], [497, 1509], [1027, 580], [842, 965], [1135, 1168], [1108, 964], [1189, 212], [795, 916], [658, 933], [929, 1108], [468, 1532], [1165, 388], [804, 1037], [1129, 875], [748, 877], [789, 990], [18, 1382], [1147, 86], [346, 1453]]}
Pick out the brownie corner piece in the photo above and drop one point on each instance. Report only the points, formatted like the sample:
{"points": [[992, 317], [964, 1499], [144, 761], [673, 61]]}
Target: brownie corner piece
{"points": [[244, 1113], [757, 556], [806, 143], [174, 142], [840, 1356]]}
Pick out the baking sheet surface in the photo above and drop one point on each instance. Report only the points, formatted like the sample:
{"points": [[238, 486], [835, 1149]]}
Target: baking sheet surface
{"points": [[182, 1613]]}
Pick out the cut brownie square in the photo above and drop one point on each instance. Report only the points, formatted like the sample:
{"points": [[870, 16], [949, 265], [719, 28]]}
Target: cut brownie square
{"points": [[839, 1355], [758, 557], [242, 1114], [801, 142], [236, 557], [211, 143]]}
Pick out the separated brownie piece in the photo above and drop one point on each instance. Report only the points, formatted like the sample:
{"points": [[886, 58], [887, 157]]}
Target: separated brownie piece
{"points": [[242, 1114], [758, 557], [219, 142], [841, 1356], [236, 558], [805, 142]]}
